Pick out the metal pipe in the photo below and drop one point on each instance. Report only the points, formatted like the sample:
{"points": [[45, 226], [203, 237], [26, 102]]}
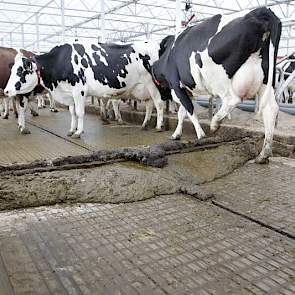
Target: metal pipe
{"points": [[37, 33], [23, 36], [102, 21], [62, 8], [177, 16]]}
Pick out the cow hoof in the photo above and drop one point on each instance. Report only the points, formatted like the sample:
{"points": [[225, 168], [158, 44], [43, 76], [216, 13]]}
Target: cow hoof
{"points": [[75, 135], [175, 137], [201, 135], [161, 129], [105, 122], [144, 127], [34, 114], [16, 115], [121, 123], [25, 131], [54, 110], [5, 117], [70, 133], [261, 160], [214, 128]]}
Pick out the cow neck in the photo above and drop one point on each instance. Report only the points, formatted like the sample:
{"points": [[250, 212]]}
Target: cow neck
{"points": [[38, 71], [154, 77]]}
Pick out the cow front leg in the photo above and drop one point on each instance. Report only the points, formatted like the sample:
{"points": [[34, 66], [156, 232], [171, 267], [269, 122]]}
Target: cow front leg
{"points": [[6, 107], [103, 112], [52, 105], [73, 120], [22, 104], [116, 108], [148, 114], [14, 107], [269, 109], [228, 104]]}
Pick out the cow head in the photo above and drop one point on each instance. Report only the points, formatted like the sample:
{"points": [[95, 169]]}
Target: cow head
{"points": [[23, 77], [165, 43]]}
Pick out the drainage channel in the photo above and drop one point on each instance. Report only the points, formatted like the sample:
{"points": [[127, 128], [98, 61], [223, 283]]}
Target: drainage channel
{"points": [[261, 223], [67, 139]]}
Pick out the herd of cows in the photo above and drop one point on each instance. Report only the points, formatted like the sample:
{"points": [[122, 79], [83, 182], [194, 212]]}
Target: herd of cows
{"points": [[230, 57]]}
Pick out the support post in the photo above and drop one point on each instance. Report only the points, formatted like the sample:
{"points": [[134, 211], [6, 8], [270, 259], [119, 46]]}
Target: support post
{"points": [[23, 36], [10, 39], [62, 8], [177, 16], [102, 21], [37, 33]]}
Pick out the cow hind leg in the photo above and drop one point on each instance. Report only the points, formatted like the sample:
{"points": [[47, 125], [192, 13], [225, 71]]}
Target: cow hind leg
{"points": [[181, 116], [179, 95], [80, 111], [103, 112], [148, 114], [73, 120], [159, 104], [228, 104], [269, 110]]}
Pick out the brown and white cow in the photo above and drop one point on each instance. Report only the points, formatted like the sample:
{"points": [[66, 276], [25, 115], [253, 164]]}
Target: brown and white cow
{"points": [[7, 60]]}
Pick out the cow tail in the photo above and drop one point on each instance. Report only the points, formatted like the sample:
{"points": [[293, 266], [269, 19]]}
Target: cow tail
{"points": [[275, 35]]}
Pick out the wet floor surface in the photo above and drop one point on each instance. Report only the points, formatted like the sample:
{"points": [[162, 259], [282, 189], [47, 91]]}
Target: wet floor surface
{"points": [[100, 136], [148, 233], [17, 148], [48, 137]]}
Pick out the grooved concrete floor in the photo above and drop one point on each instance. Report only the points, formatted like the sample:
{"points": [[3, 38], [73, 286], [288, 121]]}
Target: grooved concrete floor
{"points": [[17, 148], [167, 245], [170, 244], [263, 192]]}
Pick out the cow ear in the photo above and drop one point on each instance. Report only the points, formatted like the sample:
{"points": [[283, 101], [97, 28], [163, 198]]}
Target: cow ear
{"points": [[27, 53]]}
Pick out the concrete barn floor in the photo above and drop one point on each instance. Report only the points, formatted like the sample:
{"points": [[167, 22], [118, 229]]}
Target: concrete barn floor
{"points": [[143, 233]]}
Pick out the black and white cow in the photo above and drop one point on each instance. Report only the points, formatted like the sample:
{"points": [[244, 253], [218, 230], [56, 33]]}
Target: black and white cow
{"points": [[71, 72], [291, 86], [233, 59], [139, 93]]}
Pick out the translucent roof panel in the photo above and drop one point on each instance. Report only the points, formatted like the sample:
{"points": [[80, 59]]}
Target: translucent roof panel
{"points": [[38, 25]]}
